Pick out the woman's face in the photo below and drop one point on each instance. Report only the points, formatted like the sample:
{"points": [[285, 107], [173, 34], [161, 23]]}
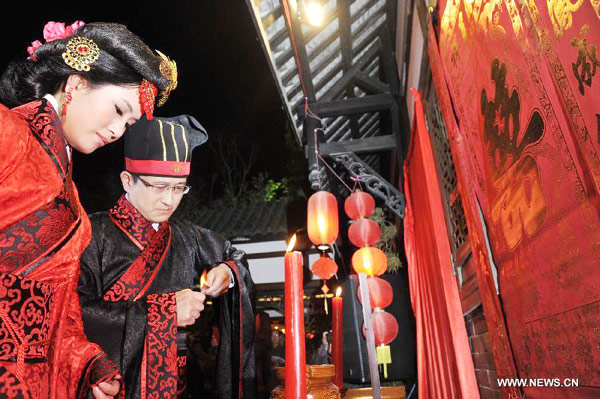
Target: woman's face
{"points": [[98, 116]]}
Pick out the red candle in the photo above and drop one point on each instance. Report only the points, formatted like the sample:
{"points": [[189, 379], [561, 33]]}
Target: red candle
{"points": [[337, 354], [295, 355]]}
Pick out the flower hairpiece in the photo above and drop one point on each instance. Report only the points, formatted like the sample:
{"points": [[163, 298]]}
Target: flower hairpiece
{"points": [[54, 31]]}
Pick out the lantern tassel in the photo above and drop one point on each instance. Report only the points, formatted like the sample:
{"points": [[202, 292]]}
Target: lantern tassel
{"points": [[384, 356], [325, 290]]}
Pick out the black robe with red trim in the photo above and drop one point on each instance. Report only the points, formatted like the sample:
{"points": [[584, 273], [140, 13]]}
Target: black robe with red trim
{"points": [[129, 275]]}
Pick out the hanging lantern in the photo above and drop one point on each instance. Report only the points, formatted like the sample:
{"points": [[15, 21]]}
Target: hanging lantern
{"points": [[325, 267], [364, 232], [369, 260], [385, 329], [322, 219], [381, 293], [359, 205]]}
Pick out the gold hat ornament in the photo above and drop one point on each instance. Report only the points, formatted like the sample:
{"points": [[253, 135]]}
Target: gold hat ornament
{"points": [[168, 69], [81, 52]]}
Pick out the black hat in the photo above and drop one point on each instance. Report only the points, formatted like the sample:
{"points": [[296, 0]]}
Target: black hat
{"points": [[163, 146]]}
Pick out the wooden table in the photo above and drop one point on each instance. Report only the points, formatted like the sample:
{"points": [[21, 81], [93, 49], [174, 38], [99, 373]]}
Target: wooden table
{"points": [[386, 393]]}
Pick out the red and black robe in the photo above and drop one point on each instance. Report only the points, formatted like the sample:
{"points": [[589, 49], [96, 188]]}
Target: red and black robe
{"points": [[44, 353], [130, 273]]}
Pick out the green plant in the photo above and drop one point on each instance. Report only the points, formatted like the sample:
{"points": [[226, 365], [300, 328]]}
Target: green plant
{"points": [[387, 242]]}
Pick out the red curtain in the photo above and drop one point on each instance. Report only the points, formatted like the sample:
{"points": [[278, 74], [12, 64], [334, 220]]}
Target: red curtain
{"points": [[444, 362]]}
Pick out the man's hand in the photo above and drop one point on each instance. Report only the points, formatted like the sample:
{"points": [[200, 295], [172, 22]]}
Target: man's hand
{"points": [[189, 305], [107, 390], [217, 280]]}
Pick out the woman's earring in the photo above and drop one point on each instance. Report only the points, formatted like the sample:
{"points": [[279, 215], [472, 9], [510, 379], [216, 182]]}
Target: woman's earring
{"points": [[68, 98]]}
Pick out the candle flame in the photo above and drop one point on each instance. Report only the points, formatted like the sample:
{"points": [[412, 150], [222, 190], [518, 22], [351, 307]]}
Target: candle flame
{"points": [[292, 243], [203, 280], [338, 292]]}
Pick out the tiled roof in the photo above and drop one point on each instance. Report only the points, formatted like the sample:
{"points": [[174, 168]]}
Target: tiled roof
{"points": [[244, 221]]}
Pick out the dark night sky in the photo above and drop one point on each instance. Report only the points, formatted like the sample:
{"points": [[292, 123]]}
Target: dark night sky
{"points": [[224, 79]]}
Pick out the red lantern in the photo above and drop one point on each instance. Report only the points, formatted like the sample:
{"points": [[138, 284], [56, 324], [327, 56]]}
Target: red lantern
{"points": [[369, 260], [381, 293], [322, 219], [324, 267], [385, 327], [364, 232], [359, 205]]}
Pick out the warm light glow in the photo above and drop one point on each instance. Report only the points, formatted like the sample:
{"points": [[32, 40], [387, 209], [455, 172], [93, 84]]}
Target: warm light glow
{"points": [[292, 243], [314, 13], [367, 263], [203, 280], [322, 224], [338, 292], [293, 4]]}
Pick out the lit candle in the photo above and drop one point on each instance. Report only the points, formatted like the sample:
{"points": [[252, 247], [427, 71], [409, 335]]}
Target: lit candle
{"points": [[337, 354], [295, 355]]}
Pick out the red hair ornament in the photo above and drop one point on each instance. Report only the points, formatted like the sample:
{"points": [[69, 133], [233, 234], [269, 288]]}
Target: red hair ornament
{"points": [[147, 92]]}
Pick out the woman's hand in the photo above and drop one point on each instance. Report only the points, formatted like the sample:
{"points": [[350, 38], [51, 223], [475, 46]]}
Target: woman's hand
{"points": [[107, 390]]}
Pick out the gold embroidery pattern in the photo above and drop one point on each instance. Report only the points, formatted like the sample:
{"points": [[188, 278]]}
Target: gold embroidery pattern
{"points": [[162, 137], [174, 141], [561, 14], [187, 150]]}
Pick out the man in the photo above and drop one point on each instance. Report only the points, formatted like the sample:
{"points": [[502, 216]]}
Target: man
{"points": [[137, 273]]}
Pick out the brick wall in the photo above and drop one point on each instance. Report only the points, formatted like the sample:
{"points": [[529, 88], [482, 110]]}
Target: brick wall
{"points": [[481, 349], [485, 368]]}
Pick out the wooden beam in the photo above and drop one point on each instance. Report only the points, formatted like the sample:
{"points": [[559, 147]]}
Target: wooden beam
{"points": [[338, 88], [391, 76], [402, 41], [345, 24], [295, 29], [370, 85], [388, 58], [352, 106], [371, 144]]}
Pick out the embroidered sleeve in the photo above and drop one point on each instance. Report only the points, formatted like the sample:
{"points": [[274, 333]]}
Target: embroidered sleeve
{"points": [[99, 369], [14, 136], [77, 354]]}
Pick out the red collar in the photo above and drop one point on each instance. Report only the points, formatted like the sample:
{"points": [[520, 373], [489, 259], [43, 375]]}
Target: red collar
{"points": [[131, 221], [45, 125]]}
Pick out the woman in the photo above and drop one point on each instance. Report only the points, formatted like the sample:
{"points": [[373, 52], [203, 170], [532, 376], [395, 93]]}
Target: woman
{"points": [[78, 90]]}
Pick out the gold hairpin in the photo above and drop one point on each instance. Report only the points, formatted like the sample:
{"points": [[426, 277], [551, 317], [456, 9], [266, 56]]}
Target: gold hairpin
{"points": [[168, 69], [81, 52]]}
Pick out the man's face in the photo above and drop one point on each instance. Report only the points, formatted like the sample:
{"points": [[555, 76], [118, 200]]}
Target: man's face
{"points": [[275, 339], [157, 202]]}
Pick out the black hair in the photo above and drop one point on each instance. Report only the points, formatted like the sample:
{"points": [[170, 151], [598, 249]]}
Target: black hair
{"points": [[124, 60], [135, 177]]}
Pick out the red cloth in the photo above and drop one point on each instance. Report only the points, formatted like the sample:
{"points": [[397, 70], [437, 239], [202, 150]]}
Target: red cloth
{"points": [[43, 350], [522, 77], [444, 362]]}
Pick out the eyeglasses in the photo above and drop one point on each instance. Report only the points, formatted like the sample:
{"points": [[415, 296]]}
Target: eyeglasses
{"points": [[161, 188]]}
